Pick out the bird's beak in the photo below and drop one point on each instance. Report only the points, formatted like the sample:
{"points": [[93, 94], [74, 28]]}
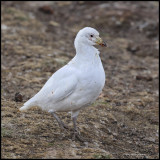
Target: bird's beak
{"points": [[100, 42]]}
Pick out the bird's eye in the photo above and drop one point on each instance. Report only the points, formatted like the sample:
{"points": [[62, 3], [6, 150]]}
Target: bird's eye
{"points": [[91, 35]]}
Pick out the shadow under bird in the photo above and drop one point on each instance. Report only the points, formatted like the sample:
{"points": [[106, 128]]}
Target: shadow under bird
{"points": [[75, 85]]}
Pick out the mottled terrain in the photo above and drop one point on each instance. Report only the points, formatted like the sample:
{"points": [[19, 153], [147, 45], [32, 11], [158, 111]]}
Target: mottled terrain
{"points": [[37, 39]]}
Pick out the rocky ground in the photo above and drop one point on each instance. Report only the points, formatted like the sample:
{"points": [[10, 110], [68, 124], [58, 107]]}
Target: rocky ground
{"points": [[37, 39]]}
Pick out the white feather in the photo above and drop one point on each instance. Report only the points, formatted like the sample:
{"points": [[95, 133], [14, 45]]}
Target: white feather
{"points": [[75, 85]]}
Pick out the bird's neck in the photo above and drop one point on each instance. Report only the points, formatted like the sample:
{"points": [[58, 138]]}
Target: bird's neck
{"points": [[86, 52]]}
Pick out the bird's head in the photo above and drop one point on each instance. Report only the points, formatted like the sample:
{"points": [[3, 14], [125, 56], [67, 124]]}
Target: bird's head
{"points": [[89, 36]]}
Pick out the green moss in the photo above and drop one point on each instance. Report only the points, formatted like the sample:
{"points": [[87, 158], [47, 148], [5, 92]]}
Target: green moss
{"points": [[6, 132], [51, 144], [17, 14], [10, 10], [21, 18]]}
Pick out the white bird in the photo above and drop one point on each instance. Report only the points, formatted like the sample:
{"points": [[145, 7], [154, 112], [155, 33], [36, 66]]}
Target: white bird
{"points": [[77, 84]]}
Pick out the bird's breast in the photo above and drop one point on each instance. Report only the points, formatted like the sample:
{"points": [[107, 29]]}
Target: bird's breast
{"points": [[92, 80]]}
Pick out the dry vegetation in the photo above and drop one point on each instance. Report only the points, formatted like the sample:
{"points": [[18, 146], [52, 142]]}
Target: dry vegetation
{"points": [[37, 39]]}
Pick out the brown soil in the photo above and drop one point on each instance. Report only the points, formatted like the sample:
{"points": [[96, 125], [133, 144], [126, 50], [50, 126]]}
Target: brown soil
{"points": [[37, 39]]}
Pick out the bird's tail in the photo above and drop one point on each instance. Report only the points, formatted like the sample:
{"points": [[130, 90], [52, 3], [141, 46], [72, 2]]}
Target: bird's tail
{"points": [[29, 104]]}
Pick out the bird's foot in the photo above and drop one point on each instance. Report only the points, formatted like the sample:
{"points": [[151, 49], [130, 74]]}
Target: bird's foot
{"points": [[61, 124], [64, 126], [76, 135]]}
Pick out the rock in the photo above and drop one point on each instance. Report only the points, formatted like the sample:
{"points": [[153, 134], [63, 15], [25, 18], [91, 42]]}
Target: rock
{"points": [[4, 27], [46, 9], [150, 28], [53, 23], [133, 48], [145, 78], [150, 139], [18, 97]]}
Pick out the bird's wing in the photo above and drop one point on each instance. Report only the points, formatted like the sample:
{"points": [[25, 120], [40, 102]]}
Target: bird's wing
{"points": [[59, 86], [65, 87]]}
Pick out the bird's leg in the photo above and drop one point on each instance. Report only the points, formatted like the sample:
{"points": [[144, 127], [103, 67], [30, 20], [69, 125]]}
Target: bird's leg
{"points": [[61, 124], [76, 133]]}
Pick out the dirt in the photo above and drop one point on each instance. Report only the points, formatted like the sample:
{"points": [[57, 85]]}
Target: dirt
{"points": [[37, 39]]}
